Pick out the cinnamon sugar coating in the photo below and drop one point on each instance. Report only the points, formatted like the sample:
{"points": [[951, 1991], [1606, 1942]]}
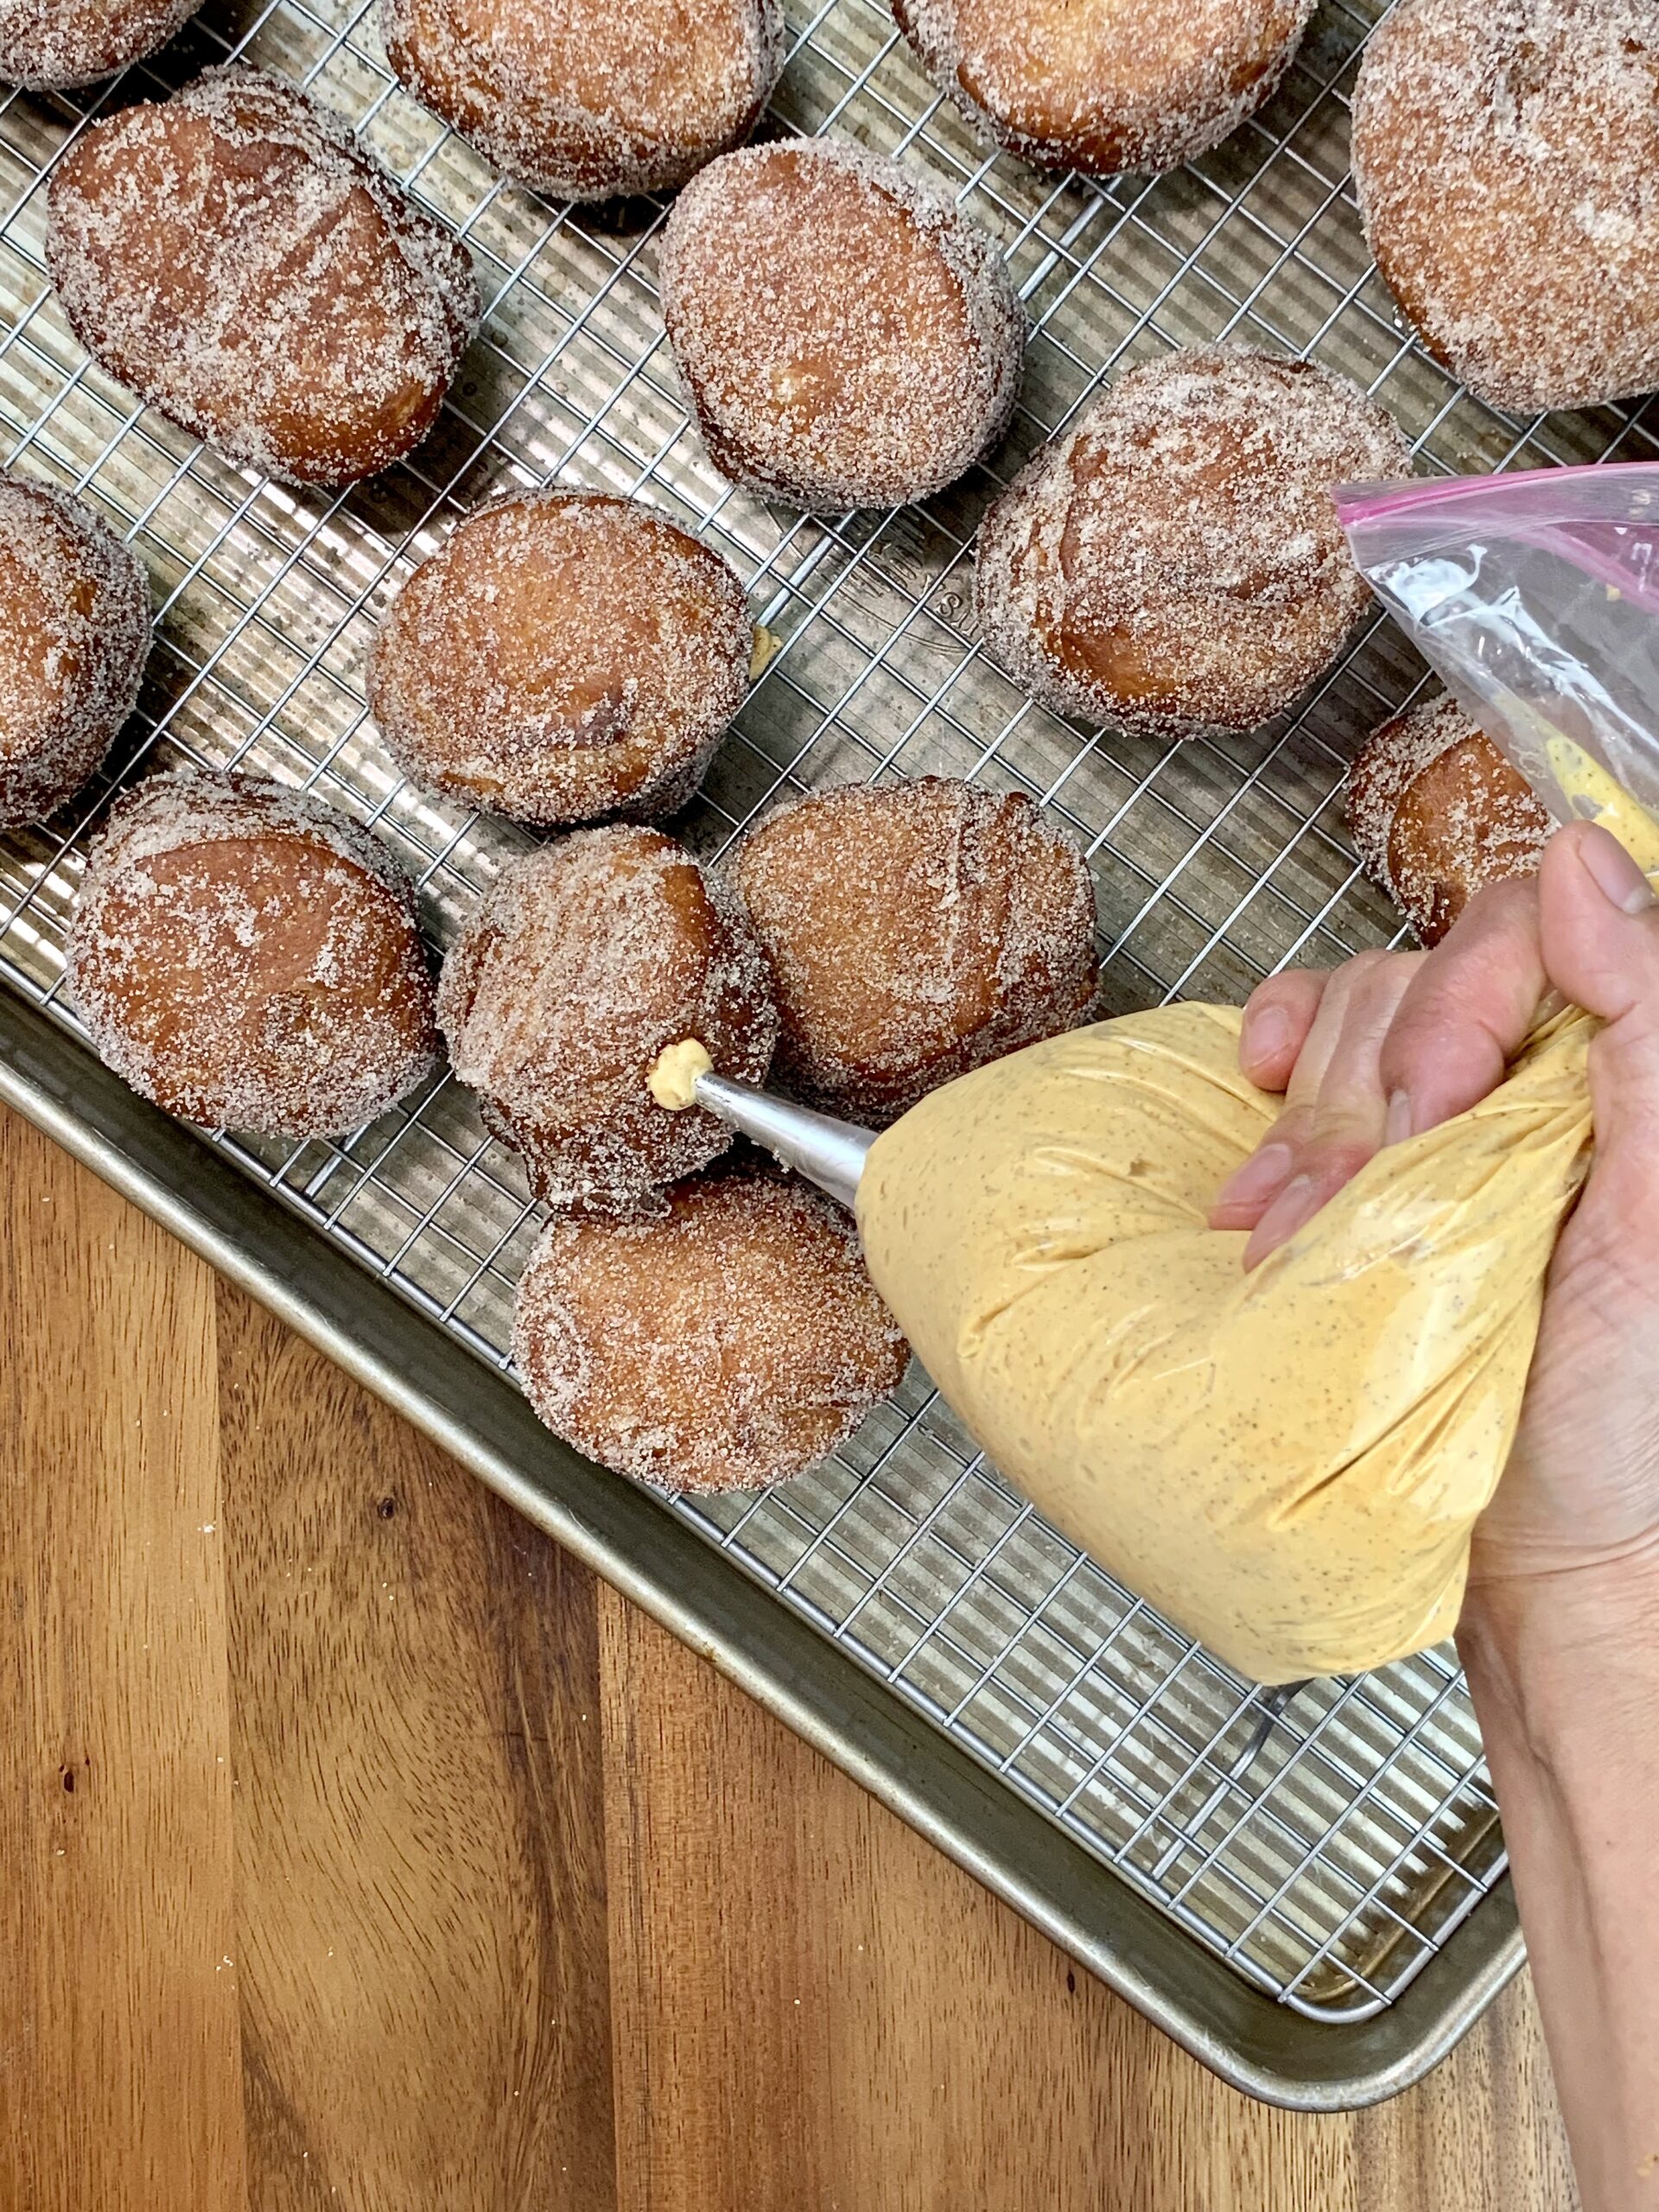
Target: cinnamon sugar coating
{"points": [[1436, 813], [1174, 564], [248, 957], [730, 1341], [847, 340], [234, 258], [914, 930], [563, 656], [1507, 161], [75, 632]]}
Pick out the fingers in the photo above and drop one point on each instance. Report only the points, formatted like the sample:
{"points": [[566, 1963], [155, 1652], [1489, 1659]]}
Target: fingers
{"points": [[1339, 1121], [1397, 1044], [1333, 1106], [1277, 1019], [1281, 1034], [1469, 1006], [1600, 936], [1246, 1195]]}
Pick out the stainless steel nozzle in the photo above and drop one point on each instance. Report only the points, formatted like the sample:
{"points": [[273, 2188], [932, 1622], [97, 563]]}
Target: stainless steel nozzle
{"points": [[829, 1152]]}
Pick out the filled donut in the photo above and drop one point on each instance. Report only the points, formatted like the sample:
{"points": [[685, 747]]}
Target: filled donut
{"points": [[1436, 813], [1174, 564], [581, 99], [563, 656], [1506, 163], [914, 930], [727, 1342], [48, 44], [846, 339], [246, 956], [1106, 84], [74, 632], [232, 256]]}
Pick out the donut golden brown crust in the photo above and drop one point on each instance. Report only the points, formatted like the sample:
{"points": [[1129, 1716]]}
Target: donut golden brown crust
{"points": [[74, 631], [587, 958], [582, 99], [1106, 84], [563, 656], [1506, 158], [847, 340], [49, 44], [247, 957], [914, 930], [727, 1342], [1436, 813], [233, 256], [1174, 562]]}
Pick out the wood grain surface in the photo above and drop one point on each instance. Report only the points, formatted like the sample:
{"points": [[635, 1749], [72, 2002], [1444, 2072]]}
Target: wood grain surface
{"points": [[359, 1850]]}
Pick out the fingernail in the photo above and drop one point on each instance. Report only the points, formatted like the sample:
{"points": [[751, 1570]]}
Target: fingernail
{"points": [[1616, 875], [1265, 1035], [1297, 1202], [1260, 1176], [1396, 1127]]}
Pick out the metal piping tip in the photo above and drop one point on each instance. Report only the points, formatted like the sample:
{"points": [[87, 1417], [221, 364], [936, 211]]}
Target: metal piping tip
{"points": [[829, 1152]]}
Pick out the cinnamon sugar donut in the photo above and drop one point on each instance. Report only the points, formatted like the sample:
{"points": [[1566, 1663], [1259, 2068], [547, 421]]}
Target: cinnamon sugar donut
{"points": [[563, 655], [49, 45], [249, 958], [1436, 813], [75, 632], [232, 256], [729, 1342], [914, 930], [847, 340], [1106, 84], [585, 961], [1174, 563], [583, 100], [1507, 162]]}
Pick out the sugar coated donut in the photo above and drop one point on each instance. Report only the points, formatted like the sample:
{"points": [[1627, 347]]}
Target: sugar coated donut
{"points": [[1106, 84], [563, 656], [1507, 162], [914, 930], [726, 1343], [1436, 813], [248, 957], [583, 100], [234, 256], [586, 959], [847, 340], [1174, 564], [47, 45], [75, 632]]}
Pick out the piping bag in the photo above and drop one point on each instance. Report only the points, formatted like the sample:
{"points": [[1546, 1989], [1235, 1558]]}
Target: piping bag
{"points": [[1288, 1462]]}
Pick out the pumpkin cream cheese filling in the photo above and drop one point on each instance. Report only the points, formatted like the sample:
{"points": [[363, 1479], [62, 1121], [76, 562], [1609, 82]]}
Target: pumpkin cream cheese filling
{"points": [[1288, 1462]]}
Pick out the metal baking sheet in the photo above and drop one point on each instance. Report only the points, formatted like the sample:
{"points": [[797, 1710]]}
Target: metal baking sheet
{"points": [[1326, 1863]]}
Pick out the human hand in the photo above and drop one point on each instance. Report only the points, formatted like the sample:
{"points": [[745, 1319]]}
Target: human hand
{"points": [[1392, 1044]]}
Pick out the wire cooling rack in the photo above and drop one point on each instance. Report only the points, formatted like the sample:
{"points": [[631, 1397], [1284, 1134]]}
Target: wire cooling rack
{"points": [[1327, 1851]]}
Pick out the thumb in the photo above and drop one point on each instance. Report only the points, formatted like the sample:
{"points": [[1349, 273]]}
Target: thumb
{"points": [[1598, 923]]}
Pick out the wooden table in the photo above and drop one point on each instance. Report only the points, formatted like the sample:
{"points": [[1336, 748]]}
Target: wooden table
{"points": [[360, 1850]]}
